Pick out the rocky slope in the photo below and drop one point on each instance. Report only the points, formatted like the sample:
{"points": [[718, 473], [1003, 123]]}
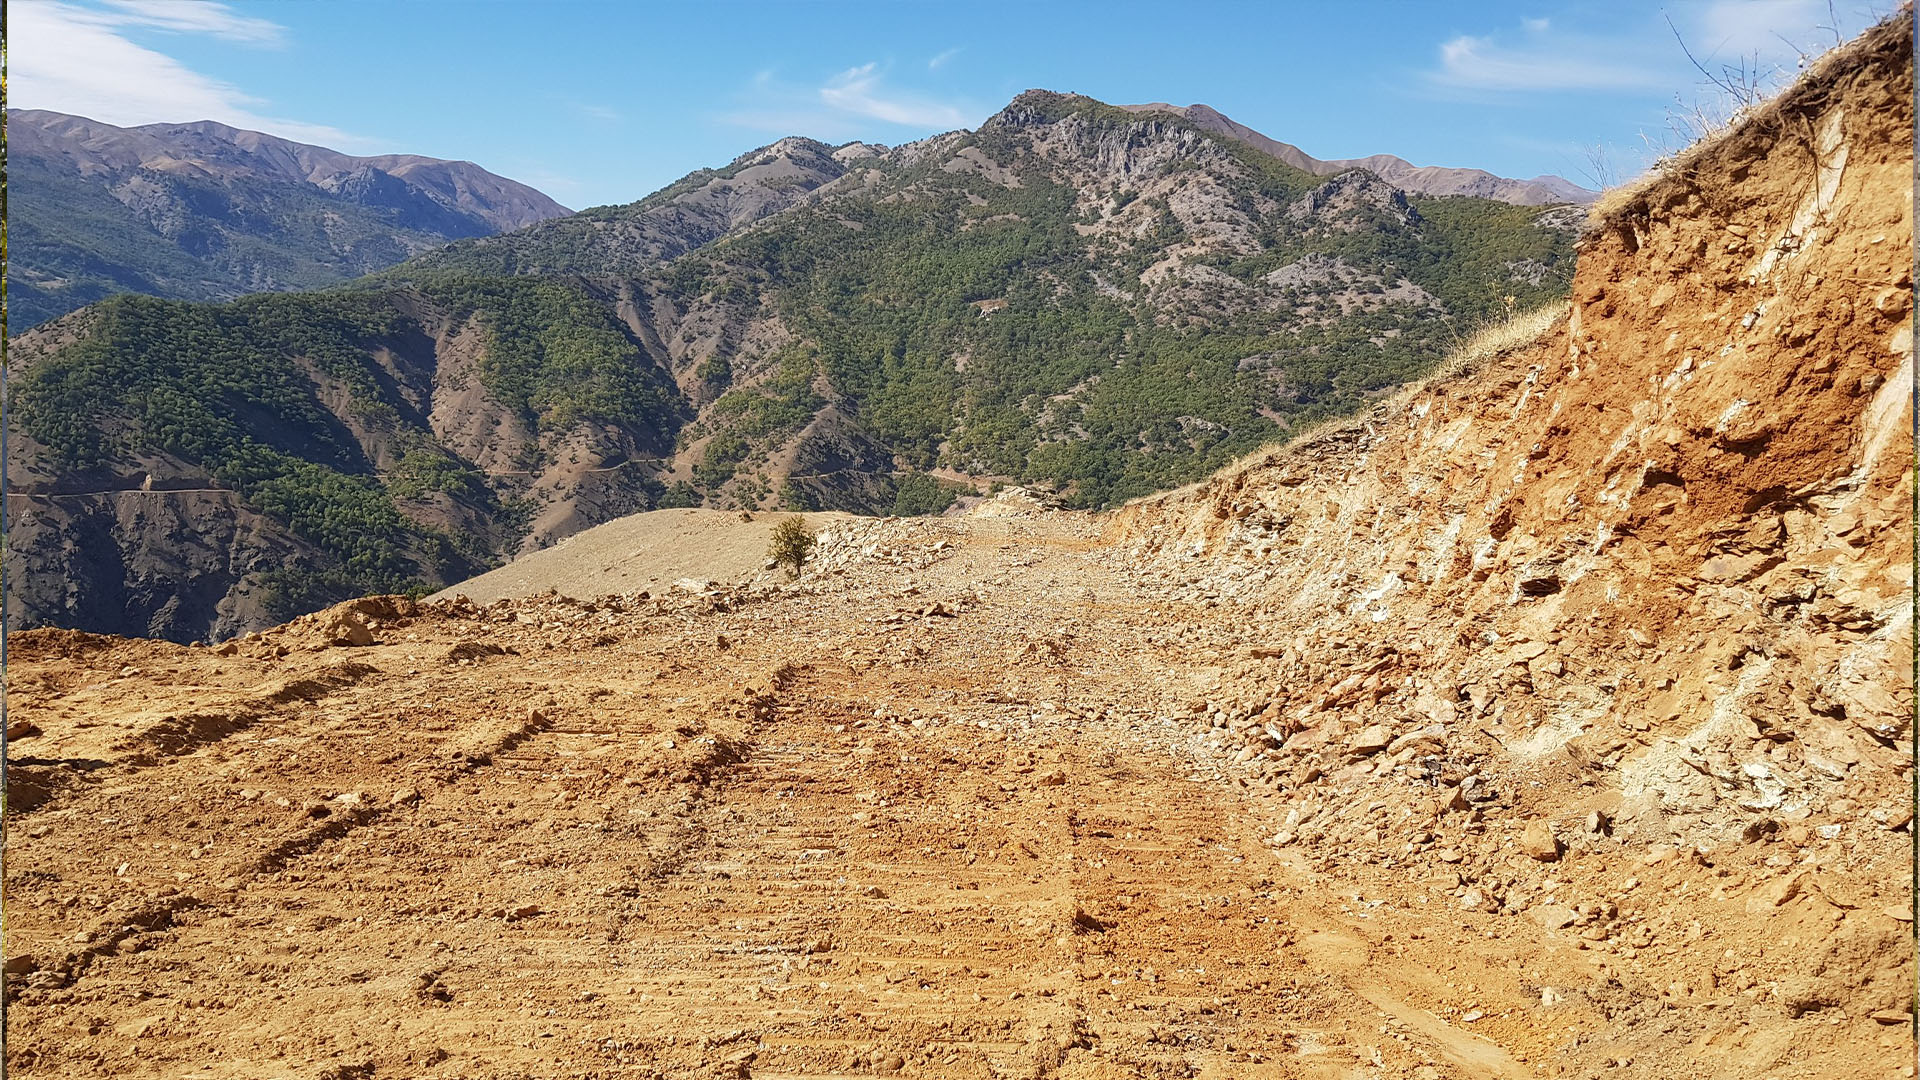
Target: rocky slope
{"points": [[1408, 177], [203, 211], [1645, 585], [692, 212], [1075, 296]]}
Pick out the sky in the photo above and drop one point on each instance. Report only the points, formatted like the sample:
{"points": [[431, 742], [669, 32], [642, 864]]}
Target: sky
{"points": [[603, 102]]}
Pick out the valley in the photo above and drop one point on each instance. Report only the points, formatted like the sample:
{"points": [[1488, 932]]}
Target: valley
{"points": [[1076, 296]]}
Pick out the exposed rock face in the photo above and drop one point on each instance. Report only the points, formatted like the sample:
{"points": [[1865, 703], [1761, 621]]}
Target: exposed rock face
{"points": [[203, 211], [1420, 179], [1351, 201]]}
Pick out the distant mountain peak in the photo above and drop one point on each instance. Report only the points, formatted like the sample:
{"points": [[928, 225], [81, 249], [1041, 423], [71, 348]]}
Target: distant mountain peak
{"points": [[205, 211], [1417, 179]]}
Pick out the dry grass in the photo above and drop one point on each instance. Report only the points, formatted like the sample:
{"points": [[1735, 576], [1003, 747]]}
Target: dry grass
{"points": [[1512, 332], [1618, 200]]}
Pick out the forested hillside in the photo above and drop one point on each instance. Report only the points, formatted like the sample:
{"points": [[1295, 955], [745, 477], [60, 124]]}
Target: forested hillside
{"points": [[1074, 296]]}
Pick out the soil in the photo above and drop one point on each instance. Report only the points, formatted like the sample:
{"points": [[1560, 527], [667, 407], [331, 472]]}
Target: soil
{"points": [[641, 552]]}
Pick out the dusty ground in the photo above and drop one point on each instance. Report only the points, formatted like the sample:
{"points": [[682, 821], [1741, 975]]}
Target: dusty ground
{"points": [[938, 810], [641, 552]]}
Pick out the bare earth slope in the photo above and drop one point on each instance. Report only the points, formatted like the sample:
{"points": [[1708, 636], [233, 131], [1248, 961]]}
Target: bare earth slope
{"points": [[1549, 720], [648, 551]]}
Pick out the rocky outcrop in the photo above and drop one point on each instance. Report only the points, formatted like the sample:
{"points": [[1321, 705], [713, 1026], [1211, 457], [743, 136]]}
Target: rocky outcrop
{"points": [[686, 215]]}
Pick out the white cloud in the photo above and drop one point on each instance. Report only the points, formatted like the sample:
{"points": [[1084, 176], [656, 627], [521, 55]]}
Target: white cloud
{"points": [[1644, 56], [940, 60], [197, 17], [859, 91], [76, 59], [1478, 63], [600, 112], [844, 107]]}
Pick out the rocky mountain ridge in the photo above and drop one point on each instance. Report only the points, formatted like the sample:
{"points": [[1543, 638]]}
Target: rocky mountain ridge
{"points": [[206, 211], [1411, 178]]}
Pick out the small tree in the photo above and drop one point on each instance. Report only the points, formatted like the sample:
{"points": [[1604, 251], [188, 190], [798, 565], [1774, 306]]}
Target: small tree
{"points": [[792, 543]]}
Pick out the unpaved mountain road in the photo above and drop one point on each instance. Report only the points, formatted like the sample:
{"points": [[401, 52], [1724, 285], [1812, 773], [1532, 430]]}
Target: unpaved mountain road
{"points": [[937, 809], [820, 834]]}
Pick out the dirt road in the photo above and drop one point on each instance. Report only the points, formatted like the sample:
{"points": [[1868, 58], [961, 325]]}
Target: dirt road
{"points": [[819, 834], [937, 810]]}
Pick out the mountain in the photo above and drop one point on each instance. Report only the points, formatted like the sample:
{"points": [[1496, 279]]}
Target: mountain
{"points": [[1074, 296], [695, 210], [1413, 179], [203, 211]]}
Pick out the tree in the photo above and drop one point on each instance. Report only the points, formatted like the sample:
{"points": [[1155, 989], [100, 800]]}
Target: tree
{"points": [[792, 543]]}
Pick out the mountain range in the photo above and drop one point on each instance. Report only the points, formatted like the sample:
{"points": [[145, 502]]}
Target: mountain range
{"points": [[203, 211], [1101, 301]]}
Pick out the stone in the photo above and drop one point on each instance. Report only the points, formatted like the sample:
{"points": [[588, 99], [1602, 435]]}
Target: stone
{"points": [[1433, 733], [22, 964], [1538, 842], [1539, 579], [1553, 916], [350, 630], [1051, 778], [1371, 740], [1776, 892], [403, 797]]}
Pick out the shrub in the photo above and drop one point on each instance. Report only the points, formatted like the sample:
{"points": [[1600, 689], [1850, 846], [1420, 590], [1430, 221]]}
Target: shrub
{"points": [[792, 542]]}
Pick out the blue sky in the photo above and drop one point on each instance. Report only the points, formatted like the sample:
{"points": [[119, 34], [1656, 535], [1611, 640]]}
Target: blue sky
{"points": [[601, 102]]}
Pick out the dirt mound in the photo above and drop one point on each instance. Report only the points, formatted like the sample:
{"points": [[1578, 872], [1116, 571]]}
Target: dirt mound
{"points": [[1639, 593], [642, 552]]}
